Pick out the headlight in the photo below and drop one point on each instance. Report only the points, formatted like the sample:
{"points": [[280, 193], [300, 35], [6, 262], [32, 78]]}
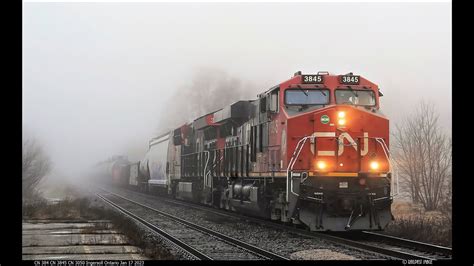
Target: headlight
{"points": [[321, 165], [374, 165], [341, 118]]}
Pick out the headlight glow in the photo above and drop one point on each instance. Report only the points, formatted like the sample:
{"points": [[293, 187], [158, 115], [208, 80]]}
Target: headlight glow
{"points": [[341, 122], [321, 165], [374, 165], [341, 114]]}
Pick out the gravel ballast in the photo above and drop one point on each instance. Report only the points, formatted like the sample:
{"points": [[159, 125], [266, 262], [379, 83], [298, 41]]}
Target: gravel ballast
{"points": [[279, 241]]}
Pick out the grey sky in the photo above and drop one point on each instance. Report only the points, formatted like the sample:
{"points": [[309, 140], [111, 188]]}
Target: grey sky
{"points": [[97, 75]]}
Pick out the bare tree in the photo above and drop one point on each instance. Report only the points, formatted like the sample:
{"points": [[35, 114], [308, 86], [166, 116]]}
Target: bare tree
{"points": [[422, 153], [209, 90], [36, 165], [446, 207]]}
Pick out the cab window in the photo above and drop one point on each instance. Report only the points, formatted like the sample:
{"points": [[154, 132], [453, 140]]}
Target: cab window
{"points": [[355, 97], [306, 97]]}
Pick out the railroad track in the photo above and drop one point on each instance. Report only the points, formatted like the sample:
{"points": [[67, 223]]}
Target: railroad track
{"points": [[198, 241], [403, 249], [430, 249], [392, 247]]}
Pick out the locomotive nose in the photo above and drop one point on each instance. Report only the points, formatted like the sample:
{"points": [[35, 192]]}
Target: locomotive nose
{"points": [[347, 141]]}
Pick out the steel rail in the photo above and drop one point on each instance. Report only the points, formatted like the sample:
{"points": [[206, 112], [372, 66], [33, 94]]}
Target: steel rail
{"points": [[426, 247], [336, 239], [385, 251], [238, 243], [195, 253], [327, 236]]}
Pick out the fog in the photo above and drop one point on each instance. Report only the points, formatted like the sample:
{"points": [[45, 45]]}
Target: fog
{"points": [[103, 78]]}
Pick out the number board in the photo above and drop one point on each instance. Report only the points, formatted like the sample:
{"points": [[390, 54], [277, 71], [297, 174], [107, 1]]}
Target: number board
{"points": [[312, 79], [350, 79]]}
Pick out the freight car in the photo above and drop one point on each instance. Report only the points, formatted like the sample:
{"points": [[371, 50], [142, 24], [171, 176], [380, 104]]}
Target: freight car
{"points": [[312, 150], [115, 170]]}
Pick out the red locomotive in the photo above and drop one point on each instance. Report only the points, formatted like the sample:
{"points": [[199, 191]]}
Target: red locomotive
{"points": [[311, 150]]}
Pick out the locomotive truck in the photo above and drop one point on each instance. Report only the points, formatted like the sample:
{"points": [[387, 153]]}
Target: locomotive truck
{"points": [[312, 150]]}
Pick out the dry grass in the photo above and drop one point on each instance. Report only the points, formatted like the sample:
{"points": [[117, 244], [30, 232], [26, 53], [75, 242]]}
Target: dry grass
{"points": [[68, 209], [412, 222], [101, 226]]}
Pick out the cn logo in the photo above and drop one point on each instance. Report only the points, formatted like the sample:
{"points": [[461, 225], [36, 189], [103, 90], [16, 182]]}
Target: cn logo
{"points": [[340, 140]]}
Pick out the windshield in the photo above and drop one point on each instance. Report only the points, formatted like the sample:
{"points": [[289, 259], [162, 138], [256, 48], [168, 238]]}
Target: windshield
{"points": [[355, 97], [306, 97]]}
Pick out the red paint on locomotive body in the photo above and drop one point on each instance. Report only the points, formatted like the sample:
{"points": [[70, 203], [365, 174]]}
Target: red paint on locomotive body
{"points": [[361, 126]]}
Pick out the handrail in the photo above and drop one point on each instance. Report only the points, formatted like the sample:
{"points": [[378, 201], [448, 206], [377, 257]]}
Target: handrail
{"points": [[386, 151], [205, 168], [294, 157], [238, 148], [217, 149], [292, 162]]}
